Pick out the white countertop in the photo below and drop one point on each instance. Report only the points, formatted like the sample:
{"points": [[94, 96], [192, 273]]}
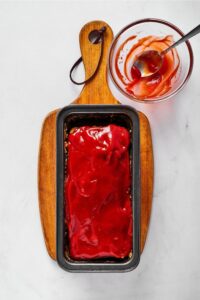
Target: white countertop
{"points": [[38, 44]]}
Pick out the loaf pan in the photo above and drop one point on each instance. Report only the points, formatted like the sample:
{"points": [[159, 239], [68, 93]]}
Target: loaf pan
{"points": [[102, 115]]}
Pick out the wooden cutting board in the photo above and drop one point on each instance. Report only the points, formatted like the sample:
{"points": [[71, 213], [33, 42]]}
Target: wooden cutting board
{"points": [[94, 92]]}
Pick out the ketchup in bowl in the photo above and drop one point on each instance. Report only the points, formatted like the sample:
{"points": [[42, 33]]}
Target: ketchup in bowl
{"points": [[129, 76]]}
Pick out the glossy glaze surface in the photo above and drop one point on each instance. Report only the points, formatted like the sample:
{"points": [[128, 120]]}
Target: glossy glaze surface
{"points": [[97, 192]]}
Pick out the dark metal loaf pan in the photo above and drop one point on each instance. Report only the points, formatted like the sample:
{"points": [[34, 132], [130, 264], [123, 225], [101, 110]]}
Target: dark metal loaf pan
{"points": [[79, 115]]}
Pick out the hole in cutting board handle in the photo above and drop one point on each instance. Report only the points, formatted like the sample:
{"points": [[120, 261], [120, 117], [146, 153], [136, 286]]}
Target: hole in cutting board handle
{"points": [[95, 36]]}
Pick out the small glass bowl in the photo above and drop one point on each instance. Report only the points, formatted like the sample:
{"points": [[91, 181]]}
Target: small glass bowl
{"points": [[156, 27]]}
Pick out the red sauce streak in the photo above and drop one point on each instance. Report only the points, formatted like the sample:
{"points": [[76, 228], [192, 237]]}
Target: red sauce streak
{"points": [[119, 54], [149, 87], [97, 193]]}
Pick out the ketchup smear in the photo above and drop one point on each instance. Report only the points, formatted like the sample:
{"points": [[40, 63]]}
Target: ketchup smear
{"points": [[129, 76], [97, 193]]}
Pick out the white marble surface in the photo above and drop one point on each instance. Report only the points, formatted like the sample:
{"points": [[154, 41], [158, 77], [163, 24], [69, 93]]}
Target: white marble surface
{"points": [[38, 44]]}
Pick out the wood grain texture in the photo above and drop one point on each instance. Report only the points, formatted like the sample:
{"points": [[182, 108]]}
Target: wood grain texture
{"points": [[146, 177], [94, 92], [47, 181]]}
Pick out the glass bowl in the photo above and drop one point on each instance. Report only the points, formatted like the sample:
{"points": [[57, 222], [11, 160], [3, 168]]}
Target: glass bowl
{"points": [[156, 27]]}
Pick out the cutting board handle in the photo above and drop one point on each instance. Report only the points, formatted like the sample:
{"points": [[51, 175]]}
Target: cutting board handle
{"points": [[96, 91]]}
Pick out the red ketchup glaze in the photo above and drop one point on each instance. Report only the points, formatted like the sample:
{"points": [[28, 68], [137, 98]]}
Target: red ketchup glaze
{"points": [[149, 87], [135, 73], [97, 192]]}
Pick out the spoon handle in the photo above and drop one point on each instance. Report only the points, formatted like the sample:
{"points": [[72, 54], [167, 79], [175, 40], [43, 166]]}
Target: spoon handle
{"points": [[186, 37]]}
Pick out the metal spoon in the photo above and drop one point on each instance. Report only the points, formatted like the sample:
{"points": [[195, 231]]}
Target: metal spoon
{"points": [[149, 62]]}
